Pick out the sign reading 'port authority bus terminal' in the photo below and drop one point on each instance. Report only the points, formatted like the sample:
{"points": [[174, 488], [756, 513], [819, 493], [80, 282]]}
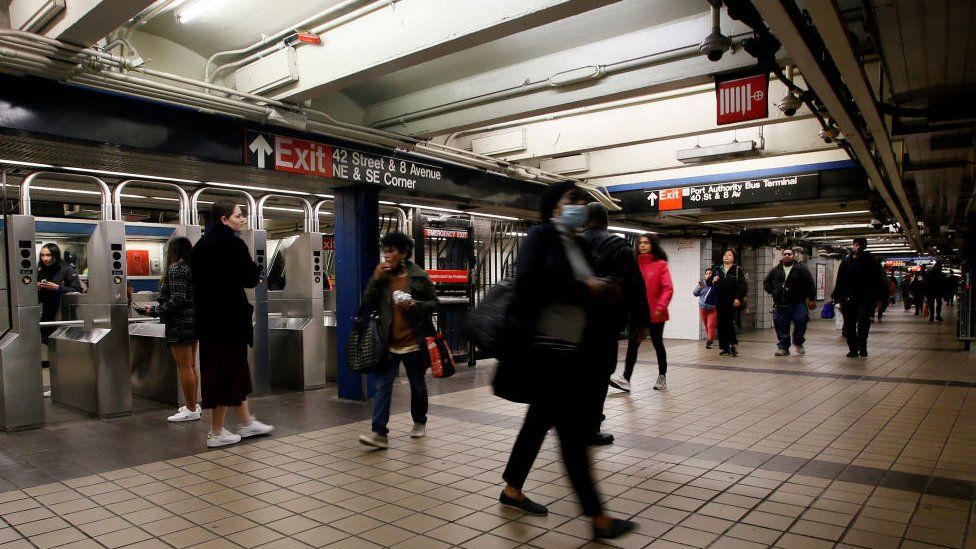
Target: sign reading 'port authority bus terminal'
{"points": [[289, 154], [728, 193]]}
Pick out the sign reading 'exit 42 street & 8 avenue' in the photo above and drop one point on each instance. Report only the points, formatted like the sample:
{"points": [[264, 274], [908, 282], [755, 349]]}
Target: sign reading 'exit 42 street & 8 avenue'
{"points": [[730, 193], [289, 154]]}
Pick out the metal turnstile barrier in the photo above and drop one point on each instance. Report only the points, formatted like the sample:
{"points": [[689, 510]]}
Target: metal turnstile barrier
{"points": [[256, 240], [90, 362], [21, 379], [296, 339], [154, 372]]}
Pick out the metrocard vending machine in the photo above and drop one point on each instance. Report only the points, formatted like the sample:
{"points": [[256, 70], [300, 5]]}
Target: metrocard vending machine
{"points": [[445, 249]]}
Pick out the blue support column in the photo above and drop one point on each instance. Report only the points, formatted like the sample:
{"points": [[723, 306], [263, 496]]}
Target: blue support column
{"points": [[357, 254]]}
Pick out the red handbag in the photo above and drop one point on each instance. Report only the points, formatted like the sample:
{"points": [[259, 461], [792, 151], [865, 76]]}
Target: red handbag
{"points": [[441, 360]]}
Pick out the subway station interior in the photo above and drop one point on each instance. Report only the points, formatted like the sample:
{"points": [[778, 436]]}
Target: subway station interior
{"points": [[841, 131]]}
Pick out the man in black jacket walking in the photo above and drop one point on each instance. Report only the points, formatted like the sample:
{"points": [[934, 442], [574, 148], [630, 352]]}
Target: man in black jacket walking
{"points": [[858, 290], [794, 293], [614, 259]]}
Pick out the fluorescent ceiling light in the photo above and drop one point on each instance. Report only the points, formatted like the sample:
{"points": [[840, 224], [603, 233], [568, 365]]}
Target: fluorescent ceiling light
{"points": [[79, 191], [255, 188], [825, 214], [388, 203], [741, 220], [193, 9], [837, 227], [629, 230], [736, 149], [25, 164], [516, 234]]}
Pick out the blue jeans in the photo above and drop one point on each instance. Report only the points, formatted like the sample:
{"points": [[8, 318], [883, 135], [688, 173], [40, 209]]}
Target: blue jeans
{"points": [[415, 366], [798, 315]]}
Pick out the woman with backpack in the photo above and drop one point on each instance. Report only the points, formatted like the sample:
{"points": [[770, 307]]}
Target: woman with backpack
{"points": [[706, 295]]}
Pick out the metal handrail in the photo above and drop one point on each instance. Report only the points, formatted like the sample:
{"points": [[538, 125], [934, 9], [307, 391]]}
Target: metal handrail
{"points": [[106, 207], [195, 201], [311, 223], [316, 211], [61, 323], [183, 197]]}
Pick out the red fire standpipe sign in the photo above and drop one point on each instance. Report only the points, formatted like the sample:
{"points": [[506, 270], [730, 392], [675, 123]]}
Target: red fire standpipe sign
{"points": [[742, 99]]}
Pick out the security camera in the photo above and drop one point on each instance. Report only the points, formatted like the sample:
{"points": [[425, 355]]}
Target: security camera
{"points": [[789, 104], [829, 135], [714, 45]]}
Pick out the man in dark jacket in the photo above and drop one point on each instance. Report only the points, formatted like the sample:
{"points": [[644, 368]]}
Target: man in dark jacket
{"points": [[935, 286], [614, 259], [858, 290], [794, 293]]}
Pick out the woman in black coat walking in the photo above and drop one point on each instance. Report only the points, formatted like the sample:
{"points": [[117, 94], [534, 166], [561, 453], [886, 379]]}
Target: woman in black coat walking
{"points": [[554, 285], [730, 286], [175, 309], [222, 267], [54, 279]]}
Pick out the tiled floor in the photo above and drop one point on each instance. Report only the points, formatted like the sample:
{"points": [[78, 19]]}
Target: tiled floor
{"points": [[755, 451]]}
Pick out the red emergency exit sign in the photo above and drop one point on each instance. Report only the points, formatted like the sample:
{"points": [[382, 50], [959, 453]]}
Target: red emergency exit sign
{"points": [[742, 99]]}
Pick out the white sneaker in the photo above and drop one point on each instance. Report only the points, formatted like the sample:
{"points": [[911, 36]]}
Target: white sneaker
{"points": [[185, 414], [619, 382], [254, 428], [223, 439], [375, 440], [419, 430], [47, 394], [800, 350], [661, 384]]}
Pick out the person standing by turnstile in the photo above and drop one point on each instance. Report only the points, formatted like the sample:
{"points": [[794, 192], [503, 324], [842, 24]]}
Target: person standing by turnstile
{"points": [[54, 279], [175, 309], [222, 267]]}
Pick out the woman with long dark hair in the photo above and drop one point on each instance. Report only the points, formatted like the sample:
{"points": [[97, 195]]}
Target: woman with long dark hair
{"points": [[554, 285], [730, 285], [222, 267], [175, 309], [54, 279], [653, 262]]}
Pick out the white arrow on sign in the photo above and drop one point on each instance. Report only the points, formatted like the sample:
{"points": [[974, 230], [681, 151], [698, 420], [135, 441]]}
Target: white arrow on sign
{"points": [[261, 144], [652, 196]]}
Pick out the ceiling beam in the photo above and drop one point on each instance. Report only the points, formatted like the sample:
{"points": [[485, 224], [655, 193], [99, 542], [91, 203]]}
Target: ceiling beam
{"points": [[409, 33], [85, 22], [830, 24]]}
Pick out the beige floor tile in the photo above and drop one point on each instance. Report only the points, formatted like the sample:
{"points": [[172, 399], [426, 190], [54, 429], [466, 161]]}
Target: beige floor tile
{"points": [[186, 538], [58, 537], [254, 537], [124, 537]]}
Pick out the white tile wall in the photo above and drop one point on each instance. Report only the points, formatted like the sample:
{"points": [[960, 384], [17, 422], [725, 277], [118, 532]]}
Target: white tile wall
{"points": [[684, 262]]}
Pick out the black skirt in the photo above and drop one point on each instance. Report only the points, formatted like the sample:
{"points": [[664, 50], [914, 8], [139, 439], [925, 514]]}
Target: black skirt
{"points": [[225, 379]]}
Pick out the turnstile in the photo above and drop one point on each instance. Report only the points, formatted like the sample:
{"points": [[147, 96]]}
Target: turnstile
{"points": [[256, 241], [90, 361], [296, 339], [21, 379], [154, 373]]}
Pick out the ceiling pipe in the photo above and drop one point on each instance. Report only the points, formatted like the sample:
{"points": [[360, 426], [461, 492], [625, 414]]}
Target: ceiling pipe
{"points": [[218, 69], [592, 72]]}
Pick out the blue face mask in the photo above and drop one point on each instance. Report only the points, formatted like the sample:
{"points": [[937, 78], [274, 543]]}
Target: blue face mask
{"points": [[573, 215]]}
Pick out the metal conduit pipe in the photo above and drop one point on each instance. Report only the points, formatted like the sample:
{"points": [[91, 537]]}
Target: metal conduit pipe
{"points": [[195, 203], [167, 98], [278, 35], [376, 5], [106, 193], [677, 54], [184, 199], [309, 224]]}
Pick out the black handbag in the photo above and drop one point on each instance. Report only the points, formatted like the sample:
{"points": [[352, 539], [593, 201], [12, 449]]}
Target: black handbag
{"points": [[490, 325], [366, 351]]}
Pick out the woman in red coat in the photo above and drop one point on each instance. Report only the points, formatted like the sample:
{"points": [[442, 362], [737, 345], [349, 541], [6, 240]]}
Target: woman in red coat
{"points": [[653, 263]]}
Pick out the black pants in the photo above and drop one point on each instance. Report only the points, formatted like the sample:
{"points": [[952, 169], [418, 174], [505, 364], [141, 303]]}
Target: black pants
{"points": [[935, 308], [562, 411], [656, 332], [601, 363], [726, 326], [857, 323], [907, 300], [918, 301]]}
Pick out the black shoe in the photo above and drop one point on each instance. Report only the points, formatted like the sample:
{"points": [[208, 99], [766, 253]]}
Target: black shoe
{"points": [[931, 320], [618, 528], [725, 352], [708, 344], [525, 504], [939, 318], [852, 354], [601, 439], [864, 353], [733, 351]]}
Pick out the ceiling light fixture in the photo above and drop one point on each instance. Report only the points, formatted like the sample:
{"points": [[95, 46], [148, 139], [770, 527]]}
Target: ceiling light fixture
{"points": [[825, 214], [629, 230], [742, 220], [837, 227], [192, 9]]}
